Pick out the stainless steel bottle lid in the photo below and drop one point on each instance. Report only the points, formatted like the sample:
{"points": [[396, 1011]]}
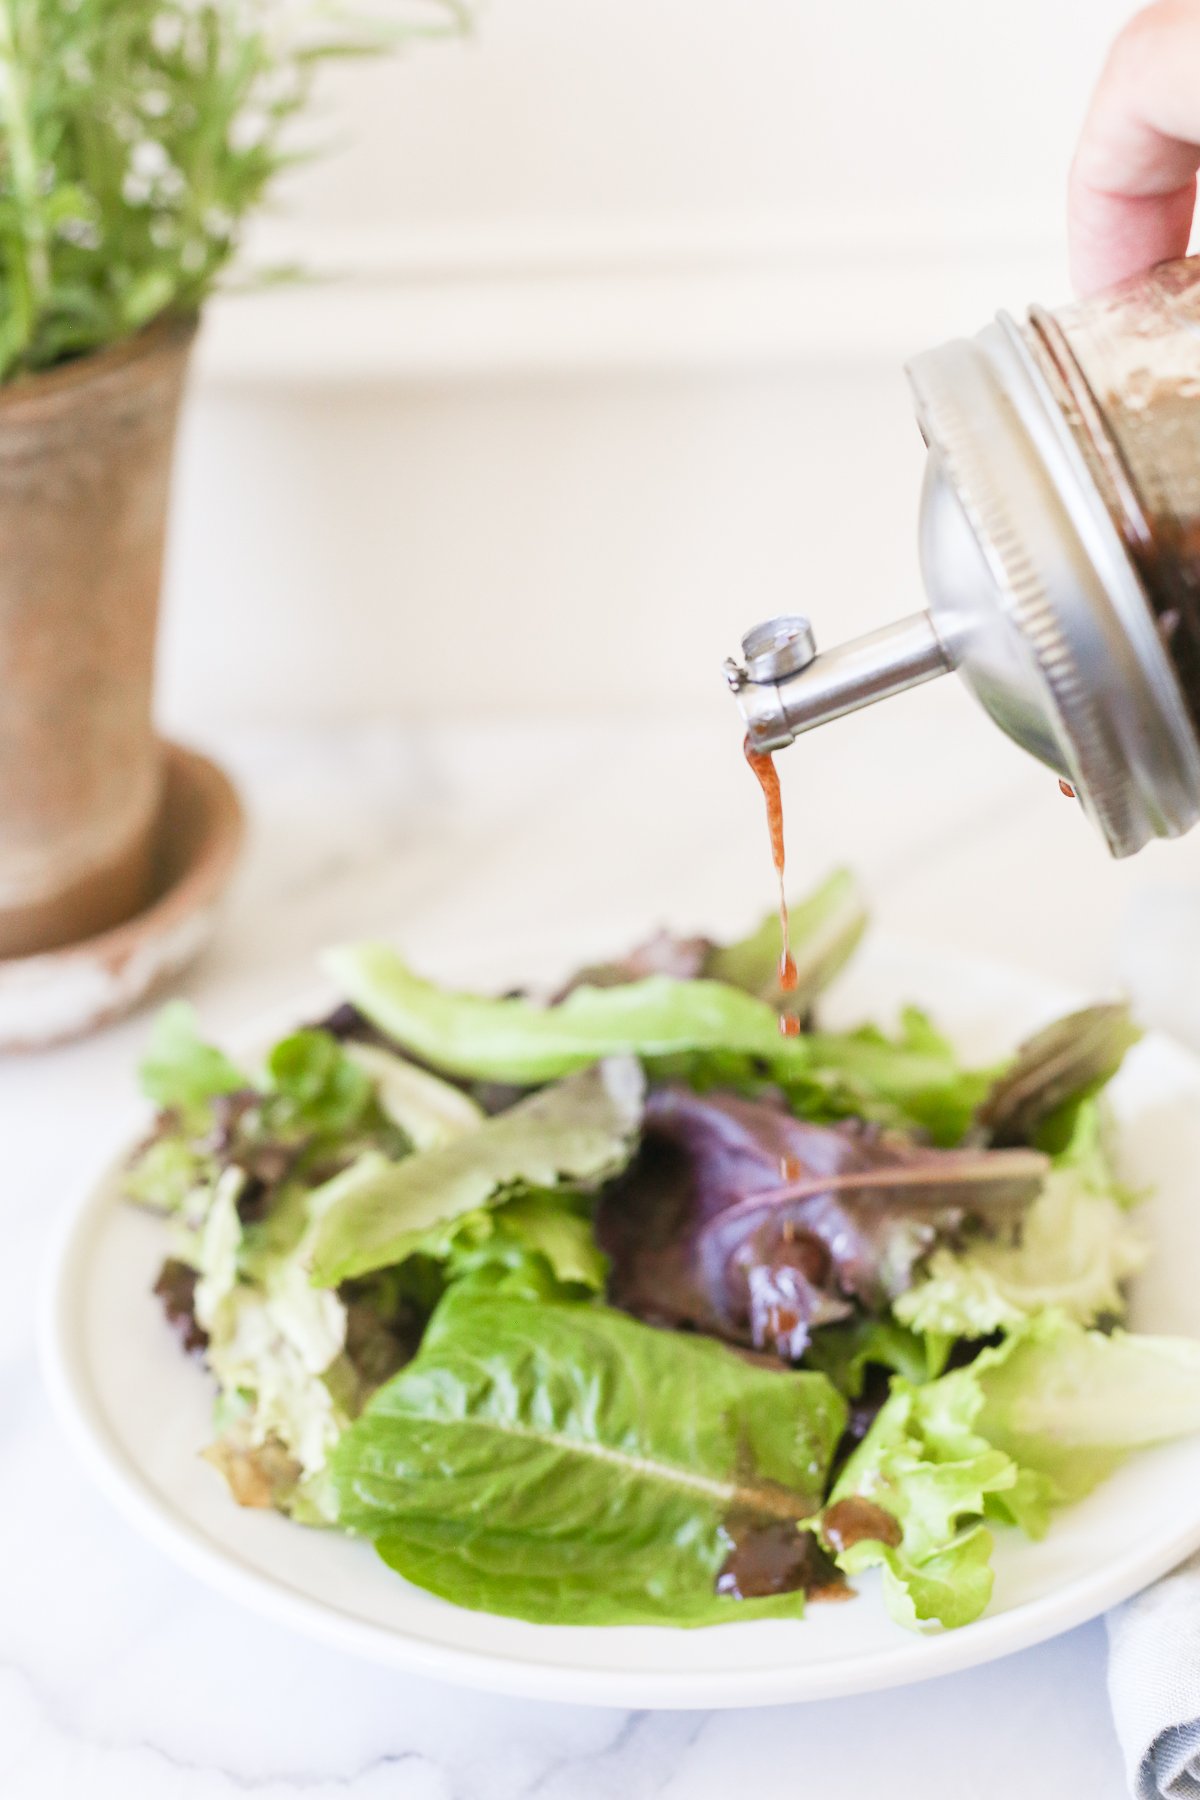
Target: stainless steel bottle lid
{"points": [[1033, 588], [1060, 545]]}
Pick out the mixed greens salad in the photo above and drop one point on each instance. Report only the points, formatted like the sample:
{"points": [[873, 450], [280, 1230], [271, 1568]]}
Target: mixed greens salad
{"points": [[619, 1307]]}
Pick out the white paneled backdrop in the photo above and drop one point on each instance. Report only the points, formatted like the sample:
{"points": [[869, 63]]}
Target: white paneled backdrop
{"points": [[607, 355]]}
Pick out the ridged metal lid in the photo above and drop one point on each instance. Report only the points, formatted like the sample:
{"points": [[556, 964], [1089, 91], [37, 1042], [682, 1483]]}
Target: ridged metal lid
{"points": [[1035, 595]]}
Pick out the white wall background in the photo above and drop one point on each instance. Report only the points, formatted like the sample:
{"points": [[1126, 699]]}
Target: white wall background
{"points": [[612, 360]]}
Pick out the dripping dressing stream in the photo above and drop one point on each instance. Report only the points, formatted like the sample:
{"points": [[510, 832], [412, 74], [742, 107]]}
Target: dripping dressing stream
{"points": [[763, 765]]}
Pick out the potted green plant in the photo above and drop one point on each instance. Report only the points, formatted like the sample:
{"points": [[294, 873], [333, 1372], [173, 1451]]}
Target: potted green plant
{"points": [[136, 137]]}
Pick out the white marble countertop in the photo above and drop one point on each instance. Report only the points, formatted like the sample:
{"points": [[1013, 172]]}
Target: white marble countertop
{"points": [[121, 1679]]}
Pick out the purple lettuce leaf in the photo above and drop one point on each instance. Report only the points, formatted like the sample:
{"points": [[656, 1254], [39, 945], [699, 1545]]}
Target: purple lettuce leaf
{"points": [[1052, 1073], [682, 958], [739, 1220]]}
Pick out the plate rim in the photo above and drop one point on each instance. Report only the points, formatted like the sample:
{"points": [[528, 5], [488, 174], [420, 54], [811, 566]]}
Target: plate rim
{"points": [[915, 1658]]}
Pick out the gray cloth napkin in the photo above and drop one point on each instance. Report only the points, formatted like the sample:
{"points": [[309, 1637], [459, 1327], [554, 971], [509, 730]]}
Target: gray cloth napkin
{"points": [[1154, 1686]]}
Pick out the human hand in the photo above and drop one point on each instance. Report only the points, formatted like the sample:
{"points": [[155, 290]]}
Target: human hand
{"points": [[1133, 181]]}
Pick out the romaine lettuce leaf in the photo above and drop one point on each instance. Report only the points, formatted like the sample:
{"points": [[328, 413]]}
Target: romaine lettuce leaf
{"points": [[575, 1134], [564, 1463]]}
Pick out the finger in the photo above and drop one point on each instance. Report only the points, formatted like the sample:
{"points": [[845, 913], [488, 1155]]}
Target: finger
{"points": [[1133, 184]]}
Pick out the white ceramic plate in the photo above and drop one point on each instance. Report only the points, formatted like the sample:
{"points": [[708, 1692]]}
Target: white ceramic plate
{"points": [[139, 1413]]}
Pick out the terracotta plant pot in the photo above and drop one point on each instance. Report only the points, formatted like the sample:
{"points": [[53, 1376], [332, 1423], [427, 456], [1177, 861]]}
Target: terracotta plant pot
{"points": [[85, 463]]}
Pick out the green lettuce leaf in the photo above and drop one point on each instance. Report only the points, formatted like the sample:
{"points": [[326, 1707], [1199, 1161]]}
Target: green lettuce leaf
{"points": [[950, 1587], [825, 929], [179, 1068], [575, 1134], [934, 1487], [1031, 1424], [163, 1172], [911, 1080], [310, 1103], [324, 1089], [1074, 1251], [277, 1344], [515, 1040], [538, 1245], [1089, 1152], [545, 1225], [707, 1032], [239, 1169], [566, 1464], [961, 1474], [916, 1074], [428, 1110], [845, 1352], [1070, 1404]]}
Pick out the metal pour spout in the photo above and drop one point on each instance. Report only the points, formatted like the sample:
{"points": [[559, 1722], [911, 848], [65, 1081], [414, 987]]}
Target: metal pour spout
{"points": [[784, 687], [1059, 543]]}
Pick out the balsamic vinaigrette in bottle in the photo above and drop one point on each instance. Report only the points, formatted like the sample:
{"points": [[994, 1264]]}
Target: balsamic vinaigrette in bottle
{"points": [[763, 765]]}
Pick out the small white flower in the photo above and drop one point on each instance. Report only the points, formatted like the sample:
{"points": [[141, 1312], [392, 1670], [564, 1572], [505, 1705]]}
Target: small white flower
{"points": [[277, 86], [166, 32], [134, 190], [162, 232], [155, 103], [192, 256], [148, 160], [249, 129], [80, 232]]}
